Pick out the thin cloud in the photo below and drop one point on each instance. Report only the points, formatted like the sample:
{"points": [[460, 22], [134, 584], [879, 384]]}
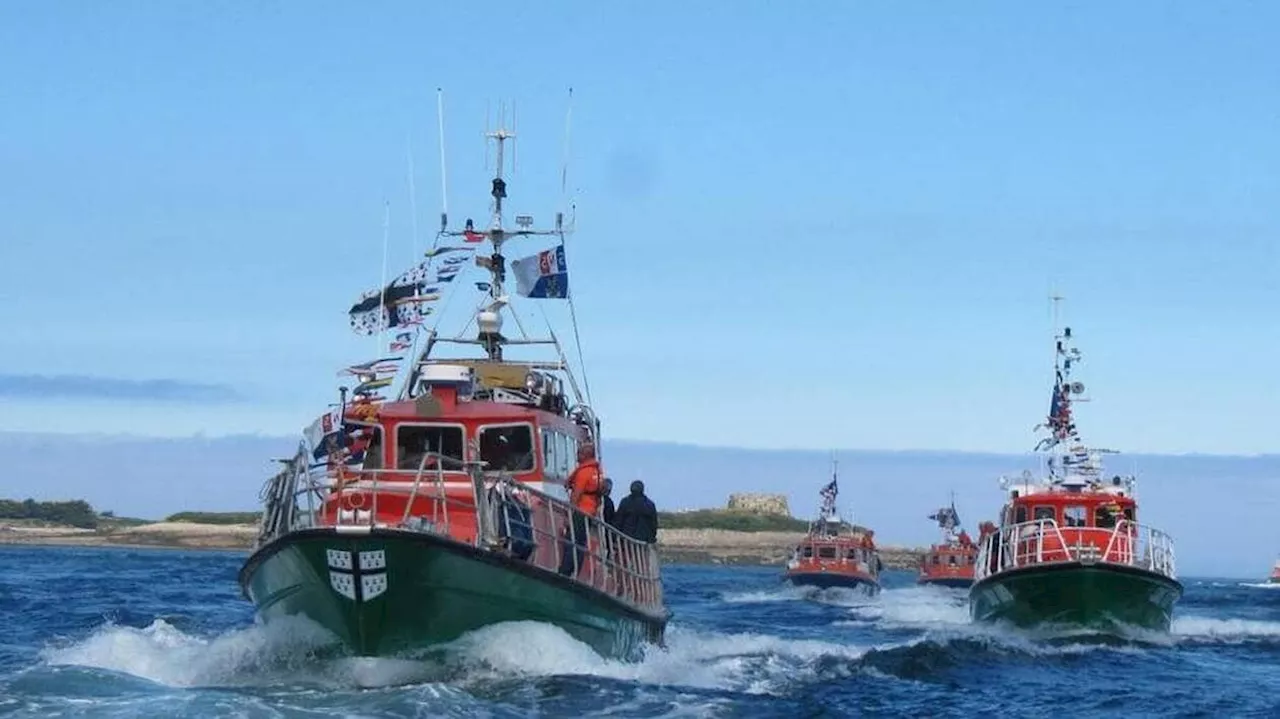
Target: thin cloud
{"points": [[33, 386]]}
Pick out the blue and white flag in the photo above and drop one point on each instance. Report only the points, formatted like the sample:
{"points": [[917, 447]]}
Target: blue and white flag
{"points": [[544, 275]]}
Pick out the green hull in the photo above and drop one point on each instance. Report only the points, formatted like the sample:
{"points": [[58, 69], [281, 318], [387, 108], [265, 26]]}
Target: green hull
{"points": [[389, 592], [1096, 596]]}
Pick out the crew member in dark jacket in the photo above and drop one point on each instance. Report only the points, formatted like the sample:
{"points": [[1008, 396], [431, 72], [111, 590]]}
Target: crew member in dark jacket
{"points": [[607, 510], [636, 516]]}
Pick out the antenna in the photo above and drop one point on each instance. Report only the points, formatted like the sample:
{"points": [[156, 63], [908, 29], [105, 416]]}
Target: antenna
{"points": [[444, 188], [515, 143], [413, 201], [386, 236], [564, 160]]}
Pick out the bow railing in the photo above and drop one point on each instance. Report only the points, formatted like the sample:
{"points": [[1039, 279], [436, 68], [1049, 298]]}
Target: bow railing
{"points": [[462, 502], [1043, 541]]}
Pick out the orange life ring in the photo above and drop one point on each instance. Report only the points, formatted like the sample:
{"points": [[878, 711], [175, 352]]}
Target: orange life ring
{"points": [[349, 500]]}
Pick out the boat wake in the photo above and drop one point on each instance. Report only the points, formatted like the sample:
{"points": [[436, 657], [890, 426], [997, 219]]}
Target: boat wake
{"points": [[298, 657], [838, 596], [912, 608], [1261, 585], [915, 634]]}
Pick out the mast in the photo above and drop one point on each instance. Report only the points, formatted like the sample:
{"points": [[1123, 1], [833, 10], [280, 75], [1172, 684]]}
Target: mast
{"points": [[489, 318], [948, 520]]}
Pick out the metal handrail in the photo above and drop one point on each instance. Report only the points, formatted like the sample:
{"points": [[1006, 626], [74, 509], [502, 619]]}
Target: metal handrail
{"points": [[1042, 541], [610, 560]]}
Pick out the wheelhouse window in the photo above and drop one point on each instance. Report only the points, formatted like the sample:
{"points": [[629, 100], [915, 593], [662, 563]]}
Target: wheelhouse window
{"points": [[1043, 512], [551, 454], [507, 448], [570, 457], [826, 552], [1128, 513], [415, 442], [559, 454], [1020, 514], [937, 560], [851, 554], [951, 560], [1075, 516], [1104, 517], [369, 442], [807, 552]]}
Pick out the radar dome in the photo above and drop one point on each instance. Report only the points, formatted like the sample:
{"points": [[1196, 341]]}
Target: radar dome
{"points": [[489, 322]]}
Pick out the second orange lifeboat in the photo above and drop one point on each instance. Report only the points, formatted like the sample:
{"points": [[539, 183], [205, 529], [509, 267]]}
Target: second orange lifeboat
{"points": [[833, 553], [950, 562]]}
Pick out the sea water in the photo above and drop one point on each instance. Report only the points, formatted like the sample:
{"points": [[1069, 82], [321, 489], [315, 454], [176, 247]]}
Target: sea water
{"points": [[124, 632]]}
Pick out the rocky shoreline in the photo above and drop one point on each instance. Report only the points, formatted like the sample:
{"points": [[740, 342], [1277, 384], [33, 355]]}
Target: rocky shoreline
{"points": [[676, 546]]}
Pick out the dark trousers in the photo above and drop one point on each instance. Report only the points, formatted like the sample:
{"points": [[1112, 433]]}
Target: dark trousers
{"points": [[576, 546]]}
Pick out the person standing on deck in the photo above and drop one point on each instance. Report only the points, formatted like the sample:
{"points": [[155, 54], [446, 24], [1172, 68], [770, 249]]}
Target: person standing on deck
{"points": [[607, 510], [636, 516], [584, 494]]}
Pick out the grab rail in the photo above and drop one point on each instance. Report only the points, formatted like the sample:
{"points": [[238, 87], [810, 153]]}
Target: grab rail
{"points": [[1042, 541], [507, 516]]}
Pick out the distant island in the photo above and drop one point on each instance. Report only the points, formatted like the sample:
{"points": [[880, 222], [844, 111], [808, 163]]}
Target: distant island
{"points": [[751, 530]]}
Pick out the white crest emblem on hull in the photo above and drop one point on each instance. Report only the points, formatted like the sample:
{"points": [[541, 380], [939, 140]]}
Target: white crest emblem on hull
{"points": [[365, 571]]}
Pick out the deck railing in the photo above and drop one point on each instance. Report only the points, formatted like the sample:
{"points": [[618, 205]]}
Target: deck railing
{"points": [[488, 510], [1043, 542]]}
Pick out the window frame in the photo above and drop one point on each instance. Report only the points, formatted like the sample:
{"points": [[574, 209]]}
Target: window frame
{"points": [[446, 425], [1083, 519], [533, 443]]}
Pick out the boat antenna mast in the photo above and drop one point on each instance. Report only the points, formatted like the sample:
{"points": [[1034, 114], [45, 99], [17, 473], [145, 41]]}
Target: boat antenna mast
{"points": [[827, 510], [489, 317], [948, 520], [1068, 456]]}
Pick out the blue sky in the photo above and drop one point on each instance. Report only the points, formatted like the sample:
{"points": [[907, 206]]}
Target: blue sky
{"points": [[799, 225]]}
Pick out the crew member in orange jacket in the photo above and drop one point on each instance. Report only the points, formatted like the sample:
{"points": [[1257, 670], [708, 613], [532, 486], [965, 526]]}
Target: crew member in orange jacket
{"points": [[584, 487]]}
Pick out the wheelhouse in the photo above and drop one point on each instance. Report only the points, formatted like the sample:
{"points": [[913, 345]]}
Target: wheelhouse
{"points": [[453, 422], [1071, 510], [957, 557]]}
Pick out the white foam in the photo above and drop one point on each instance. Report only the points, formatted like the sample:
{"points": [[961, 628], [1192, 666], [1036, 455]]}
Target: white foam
{"points": [[748, 662], [924, 607], [284, 653], [163, 654], [1230, 629]]}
